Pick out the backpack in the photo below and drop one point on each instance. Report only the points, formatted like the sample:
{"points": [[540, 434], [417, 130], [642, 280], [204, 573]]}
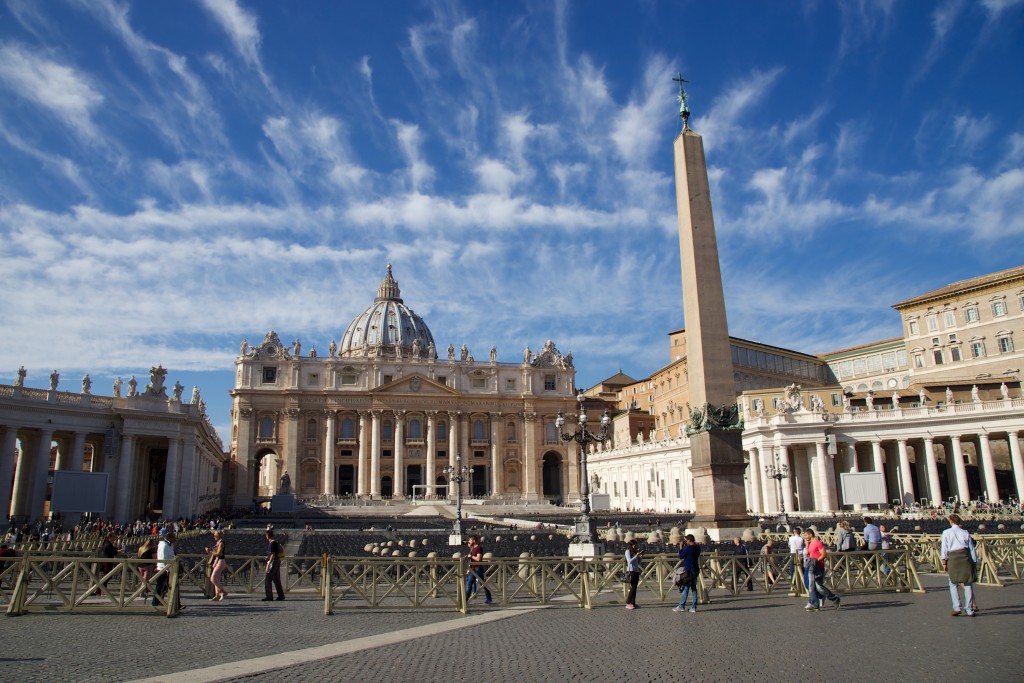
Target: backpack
{"points": [[681, 576]]}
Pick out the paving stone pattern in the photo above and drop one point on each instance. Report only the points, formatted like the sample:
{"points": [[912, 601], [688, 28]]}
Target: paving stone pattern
{"points": [[909, 637]]}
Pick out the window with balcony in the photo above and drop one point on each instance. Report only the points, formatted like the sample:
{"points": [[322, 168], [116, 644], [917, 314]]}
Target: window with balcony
{"points": [[442, 430], [550, 433], [479, 382], [348, 429], [348, 378], [311, 430], [479, 430], [387, 431], [415, 429]]}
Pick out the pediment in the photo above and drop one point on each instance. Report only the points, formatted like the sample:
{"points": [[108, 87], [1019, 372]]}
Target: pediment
{"points": [[414, 383]]}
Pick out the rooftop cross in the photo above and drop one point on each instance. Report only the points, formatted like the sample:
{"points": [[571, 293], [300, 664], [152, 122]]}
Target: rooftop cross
{"points": [[684, 111]]}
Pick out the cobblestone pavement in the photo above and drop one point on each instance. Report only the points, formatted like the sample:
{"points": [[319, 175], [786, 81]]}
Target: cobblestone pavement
{"points": [[909, 637]]}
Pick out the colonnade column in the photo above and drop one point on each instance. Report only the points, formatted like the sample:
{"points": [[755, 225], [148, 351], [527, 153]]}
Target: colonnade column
{"points": [[453, 444], [962, 490], [878, 464], [330, 473], [375, 453], [496, 488], [991, 483], [530, 456], [78, 452], [787, 483], [906, 482], [853, 465], [465, 439], [291, 448], [1015, 461], [9, 445], [431, 474], [756, 503], [171, 477], [21, 496], [934, 490], [363, 463], [398, 480], [826, 477], [125, 475], [42, 466]]}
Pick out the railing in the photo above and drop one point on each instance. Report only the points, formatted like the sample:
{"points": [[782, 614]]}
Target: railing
{"points": [[46, 582]]}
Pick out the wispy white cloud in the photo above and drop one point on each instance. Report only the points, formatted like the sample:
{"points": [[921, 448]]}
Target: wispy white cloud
{"points": [[722, 124], [62, 90], [969, 133], [241, 26]]}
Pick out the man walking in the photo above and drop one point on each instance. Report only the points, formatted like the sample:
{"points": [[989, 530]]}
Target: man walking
{"points": [[273, 579], [743, 564], [164, 556], [959, 559], [872, 535], [476, 570]]}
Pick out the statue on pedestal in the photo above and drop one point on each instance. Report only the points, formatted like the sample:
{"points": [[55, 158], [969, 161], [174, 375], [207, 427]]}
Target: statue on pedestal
{"points": [[178, 388], [54, 380], [975, 394], [243, 349], [451, 353], [195, 395], [286, 485], [117, 387], [895, 400], [86, 384], [1004, 391], [949, 396], [494, 354], [296, 348], [332, 348], [19, 381], [133, 386]]}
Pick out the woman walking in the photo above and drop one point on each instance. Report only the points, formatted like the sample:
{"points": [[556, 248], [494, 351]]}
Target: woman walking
{"points": [[217, 564], [690, 556], [959, 559], [633, 568]]}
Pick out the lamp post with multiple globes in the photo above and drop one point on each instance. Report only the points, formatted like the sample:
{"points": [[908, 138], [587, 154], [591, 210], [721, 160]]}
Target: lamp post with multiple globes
{"points": [[584, 534], [778, 473], [456, 474]]}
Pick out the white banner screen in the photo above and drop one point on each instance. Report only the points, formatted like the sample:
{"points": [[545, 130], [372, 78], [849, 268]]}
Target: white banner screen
{"points": [[867, 488], [79, 491]]}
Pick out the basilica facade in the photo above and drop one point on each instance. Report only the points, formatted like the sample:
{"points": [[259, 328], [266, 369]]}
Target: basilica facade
{"points": [[383, 413]]}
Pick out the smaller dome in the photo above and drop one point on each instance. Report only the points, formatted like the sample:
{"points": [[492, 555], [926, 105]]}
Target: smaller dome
{"points": [[388, 328]]}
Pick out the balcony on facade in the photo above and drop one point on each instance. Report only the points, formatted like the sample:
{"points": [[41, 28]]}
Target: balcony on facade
{"points": [[479, 442], [415, 441], [346, 441]]}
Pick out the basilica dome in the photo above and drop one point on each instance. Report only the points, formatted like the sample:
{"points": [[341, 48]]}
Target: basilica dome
{"points": [[388, 328]]}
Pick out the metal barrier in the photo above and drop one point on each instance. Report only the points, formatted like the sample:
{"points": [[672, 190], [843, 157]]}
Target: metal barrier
{"points": [[46, 582], [246, 573]]}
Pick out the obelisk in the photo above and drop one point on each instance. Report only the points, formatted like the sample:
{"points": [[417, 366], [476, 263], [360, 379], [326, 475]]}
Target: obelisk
{"points": [[715, 428]]}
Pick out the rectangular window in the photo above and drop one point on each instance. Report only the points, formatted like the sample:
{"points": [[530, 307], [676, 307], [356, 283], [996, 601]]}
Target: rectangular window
{"points": [[937, 355], [549, 382], [679, 489], [615, 488], [510, 385], [860, 366], [936, 341], [1020, 302], [442, 380], [386, 453], [1005, 344], [998, 308], [313, 380], [889, 360], [386, 379], [837, 400], [478, 454], [954, 353], [971, 314], [950, 319], [874, 364], [918, 360], [636, 488], [952, 336], [346, 454], [269, 375], [912, 326], [479, 382], [442, 455], [978, 349], [933, 323], [348, 379]]}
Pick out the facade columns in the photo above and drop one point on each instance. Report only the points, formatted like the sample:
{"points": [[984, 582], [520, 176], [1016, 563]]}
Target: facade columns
{"points": [[291, 449], [171, 477], [989, 466], [878, 464], [787, 483], [431, 473], [363, 466], [826, 477], [242, 463], [22, 495], [125, 477], [530, 456], [42, 466], [906, 482], [756, 502], [851, 455], [330, 471], [7, 448], [1015, 461], [398, 478], [963, 491], [375, 453], [496, 487], [189, 482], [78, 452], [453, 445], [934, 489]]}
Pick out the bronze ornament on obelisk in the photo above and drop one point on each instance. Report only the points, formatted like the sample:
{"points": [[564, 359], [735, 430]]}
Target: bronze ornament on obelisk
{"points": [[715, 427]]}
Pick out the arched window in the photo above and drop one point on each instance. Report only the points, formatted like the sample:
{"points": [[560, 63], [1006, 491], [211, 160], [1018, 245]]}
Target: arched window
{"points": [[267, 428], [348, 430], [442, 428], [311, 429], [510, 432], [478, 430], [414, 429], [387, 431]]}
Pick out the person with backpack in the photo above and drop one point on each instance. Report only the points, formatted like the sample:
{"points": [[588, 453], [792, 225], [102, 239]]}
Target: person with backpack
{"points": [[633, 570], [689, 556], [273, 579], [844, 538]]}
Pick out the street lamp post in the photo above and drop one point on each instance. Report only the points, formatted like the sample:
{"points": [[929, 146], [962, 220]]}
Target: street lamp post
{"points": [[778, 473], [457, 474], [584, 533]]}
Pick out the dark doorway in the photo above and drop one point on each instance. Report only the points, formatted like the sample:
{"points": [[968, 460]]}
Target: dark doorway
{"points": [[346, 480], [413, 477], [552, 475]]}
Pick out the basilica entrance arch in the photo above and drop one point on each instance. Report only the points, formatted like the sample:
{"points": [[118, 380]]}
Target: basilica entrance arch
{"points": [[265, 482], [552, 475]]}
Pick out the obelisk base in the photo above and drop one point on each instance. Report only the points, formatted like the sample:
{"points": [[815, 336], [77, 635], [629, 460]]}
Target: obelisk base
{"points": [[719, 492]]}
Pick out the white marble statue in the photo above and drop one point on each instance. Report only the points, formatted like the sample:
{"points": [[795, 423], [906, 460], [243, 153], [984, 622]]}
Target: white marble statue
{"points": [[431, 351], [816, 405], [19, 381], [54, 380], [869, 400], [922, 397], [86, 384], [464, 353], [494, 354], [243, 349], [975, 394], [332, 348], [296, 348], [117, 387], [949, 396], [195, 395], [794, 399], [1004, 391], [178, 388], [847, 406], [451, 352], [895, 400], [133, 386], [526, 354], [312, 352]]}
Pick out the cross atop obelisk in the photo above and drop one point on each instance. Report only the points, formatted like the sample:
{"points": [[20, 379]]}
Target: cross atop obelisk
{"points": [[715, 426]]}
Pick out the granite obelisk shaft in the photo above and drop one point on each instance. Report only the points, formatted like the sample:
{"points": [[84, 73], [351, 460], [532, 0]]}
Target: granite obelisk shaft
{"points": [[717, 452]]}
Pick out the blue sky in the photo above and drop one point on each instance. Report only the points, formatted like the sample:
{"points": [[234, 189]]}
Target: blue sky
{"points": [[175, 176]]}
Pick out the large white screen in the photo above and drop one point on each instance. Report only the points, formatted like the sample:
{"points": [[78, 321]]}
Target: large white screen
{"points": [[867, 488], [79, 491]]}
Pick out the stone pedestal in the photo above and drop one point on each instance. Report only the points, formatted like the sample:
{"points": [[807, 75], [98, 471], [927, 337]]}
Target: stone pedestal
{"points": [[580, 551], [283, 502]]}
